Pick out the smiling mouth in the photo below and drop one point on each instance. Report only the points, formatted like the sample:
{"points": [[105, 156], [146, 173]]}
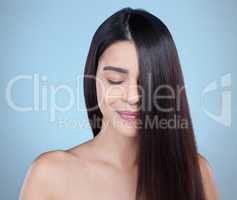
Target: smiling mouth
{"points": [[128, 115]]}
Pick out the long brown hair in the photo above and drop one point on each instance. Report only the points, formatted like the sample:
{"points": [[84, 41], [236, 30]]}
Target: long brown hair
{"points": [[168, 166]]}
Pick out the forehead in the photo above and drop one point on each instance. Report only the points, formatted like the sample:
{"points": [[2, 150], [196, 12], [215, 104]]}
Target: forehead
{"points": [[121, 54]]}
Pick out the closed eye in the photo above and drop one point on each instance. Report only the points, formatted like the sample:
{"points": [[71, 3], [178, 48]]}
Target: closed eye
{"points": [[115, 82]]}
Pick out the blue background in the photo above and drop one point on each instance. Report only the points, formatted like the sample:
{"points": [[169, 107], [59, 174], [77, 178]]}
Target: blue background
{"points": [[52, 38]]}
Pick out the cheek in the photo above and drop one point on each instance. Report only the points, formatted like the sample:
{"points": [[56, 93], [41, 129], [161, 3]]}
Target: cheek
{"points": [[113, 94], [109, 95], [99, 92]]}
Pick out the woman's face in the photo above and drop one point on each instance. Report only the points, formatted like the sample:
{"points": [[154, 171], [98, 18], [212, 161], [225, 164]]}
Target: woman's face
{"points": [[117, 89]]}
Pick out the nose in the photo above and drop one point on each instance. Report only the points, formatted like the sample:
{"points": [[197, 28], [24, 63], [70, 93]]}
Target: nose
{"points": [[132, 96]]}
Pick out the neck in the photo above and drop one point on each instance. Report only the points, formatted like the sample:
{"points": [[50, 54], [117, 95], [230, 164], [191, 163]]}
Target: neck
{"points": [[116, 148]]}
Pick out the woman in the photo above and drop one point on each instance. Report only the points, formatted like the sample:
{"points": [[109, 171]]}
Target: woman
{"points": [[143, 146]]}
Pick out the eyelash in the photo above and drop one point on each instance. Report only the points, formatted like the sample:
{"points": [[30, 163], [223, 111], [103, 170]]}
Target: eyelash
{"points": [[115, 82]]}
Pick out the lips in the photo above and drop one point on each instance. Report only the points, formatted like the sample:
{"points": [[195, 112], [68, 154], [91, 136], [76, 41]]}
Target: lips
{"points": [[127, 115]]}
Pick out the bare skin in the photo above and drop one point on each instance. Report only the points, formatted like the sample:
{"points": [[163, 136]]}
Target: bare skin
{"points": [[105, 167], [78, 173]]}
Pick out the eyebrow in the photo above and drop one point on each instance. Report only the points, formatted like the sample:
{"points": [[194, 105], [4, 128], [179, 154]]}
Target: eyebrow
{"points": [[116, 69]]}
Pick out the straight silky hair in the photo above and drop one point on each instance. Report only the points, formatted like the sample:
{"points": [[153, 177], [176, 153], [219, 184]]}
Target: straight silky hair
{"points": [[168, 166]]}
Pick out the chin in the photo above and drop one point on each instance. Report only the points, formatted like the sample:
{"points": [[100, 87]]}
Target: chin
{"points": [[128, 131], [124, 127]]}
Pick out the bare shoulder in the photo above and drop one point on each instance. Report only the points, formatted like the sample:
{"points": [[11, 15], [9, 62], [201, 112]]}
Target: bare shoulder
{"points": [[43, 174], [208, 178], [49, 161]]}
